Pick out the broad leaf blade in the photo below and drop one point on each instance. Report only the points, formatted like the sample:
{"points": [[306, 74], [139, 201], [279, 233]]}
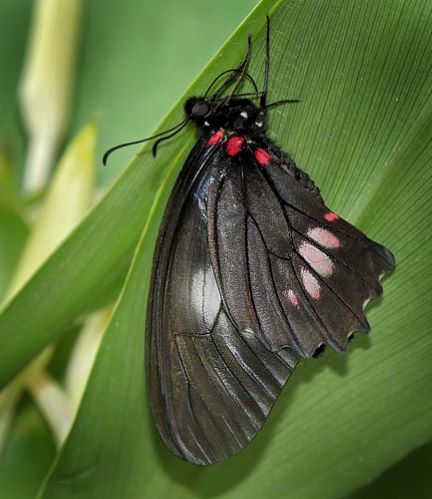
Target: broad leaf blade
{"points": [[362, 131], [27, 457]]}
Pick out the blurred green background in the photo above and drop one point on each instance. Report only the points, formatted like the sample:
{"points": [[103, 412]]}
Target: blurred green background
{"points": [[136, 58]]}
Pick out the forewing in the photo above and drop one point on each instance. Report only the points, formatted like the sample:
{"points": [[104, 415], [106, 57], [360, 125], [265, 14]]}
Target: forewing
{"points": [[211, 383], [289, 268]]}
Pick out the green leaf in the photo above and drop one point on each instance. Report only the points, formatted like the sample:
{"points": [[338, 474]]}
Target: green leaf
{"points": [[409, 477], [12, 47], [27, 456], [362, 131], [13, 227], [65, 203], [13, 234]]}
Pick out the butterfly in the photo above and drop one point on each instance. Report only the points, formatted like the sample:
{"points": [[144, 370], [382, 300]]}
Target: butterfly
{"points": [[251, 273]]}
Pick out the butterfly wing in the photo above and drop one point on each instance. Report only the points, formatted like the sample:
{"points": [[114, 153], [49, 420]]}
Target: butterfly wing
{"points": [[290, 269], [251, 272], [211, 383]]}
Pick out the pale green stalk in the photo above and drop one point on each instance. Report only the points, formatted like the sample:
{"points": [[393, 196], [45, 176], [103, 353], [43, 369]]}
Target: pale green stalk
{"points": [[47, 83], [83, 355], [66, 202], [53, 403]]}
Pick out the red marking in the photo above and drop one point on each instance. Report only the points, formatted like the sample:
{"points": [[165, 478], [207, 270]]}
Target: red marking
{"points": [[331, 217], [262, 156], [215, 138], [234, 145]]}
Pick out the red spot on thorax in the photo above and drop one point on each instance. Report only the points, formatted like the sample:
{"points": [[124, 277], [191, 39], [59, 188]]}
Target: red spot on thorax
{"points": [[331, 217], [215, 138], [234, 145], [262, 156]]}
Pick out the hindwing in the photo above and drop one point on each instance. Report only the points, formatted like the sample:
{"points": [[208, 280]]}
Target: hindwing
{"points": [[251, 272]]}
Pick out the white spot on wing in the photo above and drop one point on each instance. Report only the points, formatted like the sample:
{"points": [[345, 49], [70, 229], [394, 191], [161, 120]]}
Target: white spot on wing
{"points": [[291, 297], [310, 283], [318, 260], [324, 237], [244, 115]]}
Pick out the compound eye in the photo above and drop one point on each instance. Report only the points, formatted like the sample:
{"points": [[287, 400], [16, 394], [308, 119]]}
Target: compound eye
{"points": [[200, 109]]}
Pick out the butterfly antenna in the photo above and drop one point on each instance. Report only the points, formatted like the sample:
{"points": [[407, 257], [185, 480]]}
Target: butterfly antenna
{"points": [[240, 70], [263, 99], [175, 128], [283, 101], [181, 126], [246, 75], [243, 69], [249, 94]]}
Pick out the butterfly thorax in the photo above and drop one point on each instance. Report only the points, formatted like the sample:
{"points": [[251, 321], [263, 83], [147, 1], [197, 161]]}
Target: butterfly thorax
{"points": [[241, 116]]}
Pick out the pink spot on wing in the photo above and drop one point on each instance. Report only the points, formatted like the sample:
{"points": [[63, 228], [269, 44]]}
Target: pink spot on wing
{"points": [[215, 138], [234, 145], [318, 260], [291, 297], [311, 284], [324, 237], [331, 217], [262, 156]]}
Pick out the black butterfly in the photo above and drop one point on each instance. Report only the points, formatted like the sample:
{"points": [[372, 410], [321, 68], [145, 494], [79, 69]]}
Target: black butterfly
{"points": [[251, 273]]}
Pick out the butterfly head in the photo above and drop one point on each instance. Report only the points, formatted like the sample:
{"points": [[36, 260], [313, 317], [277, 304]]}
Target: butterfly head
{"points": [[237, 115]]}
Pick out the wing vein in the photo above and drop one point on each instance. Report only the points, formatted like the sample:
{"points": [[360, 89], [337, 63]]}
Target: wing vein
{"points": [[222, 385], [226, 364], [236, 378], [281, 308], [192, 410], [326, 285], [304, 293], [336, 229], [335, 256], [288, 222]]}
